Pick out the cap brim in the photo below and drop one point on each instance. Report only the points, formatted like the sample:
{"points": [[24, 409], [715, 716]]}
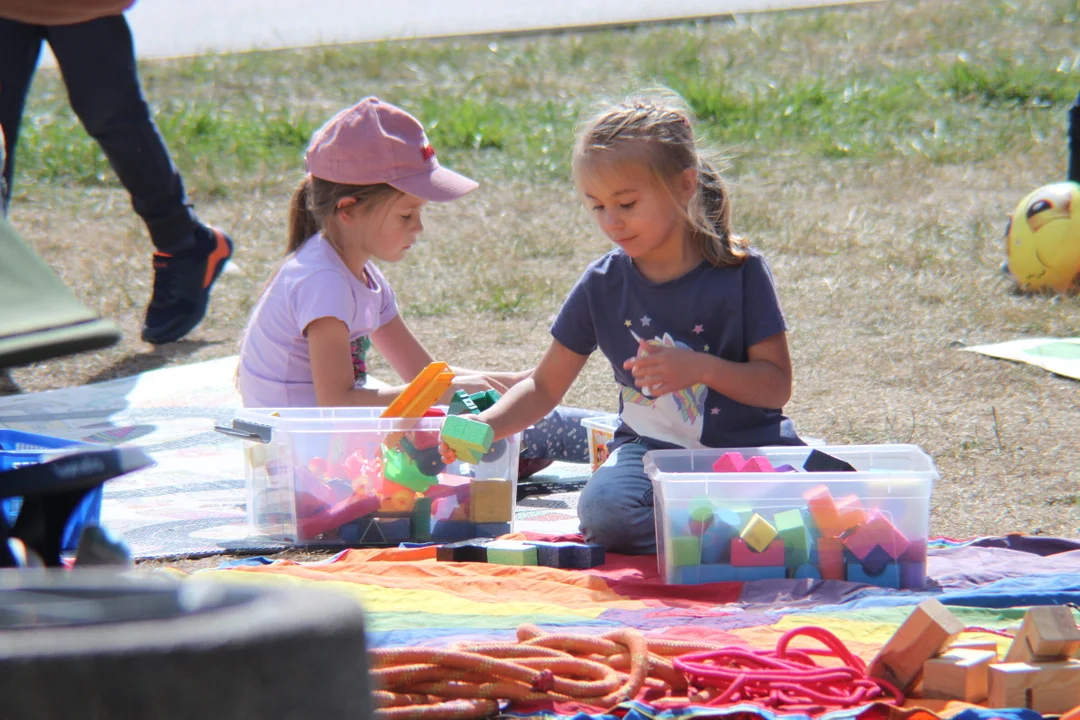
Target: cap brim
{"points": [[439, 185]]}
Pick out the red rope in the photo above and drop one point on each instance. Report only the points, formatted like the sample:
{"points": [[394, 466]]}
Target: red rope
{"points": [[787, 678]]}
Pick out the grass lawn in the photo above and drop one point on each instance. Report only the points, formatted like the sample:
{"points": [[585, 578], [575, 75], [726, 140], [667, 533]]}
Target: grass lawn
{"points": [[873, 154]]}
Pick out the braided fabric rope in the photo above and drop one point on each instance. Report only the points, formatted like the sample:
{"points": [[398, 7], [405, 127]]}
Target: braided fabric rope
{"points": [[468, 680], [786, 678]]}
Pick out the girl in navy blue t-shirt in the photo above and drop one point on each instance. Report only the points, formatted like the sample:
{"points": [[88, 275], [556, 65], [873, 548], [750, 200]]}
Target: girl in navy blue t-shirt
{"points": [[683, 309]]}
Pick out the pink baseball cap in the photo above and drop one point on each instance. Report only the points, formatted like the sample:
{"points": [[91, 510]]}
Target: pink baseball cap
{"points": [[374, 142]]}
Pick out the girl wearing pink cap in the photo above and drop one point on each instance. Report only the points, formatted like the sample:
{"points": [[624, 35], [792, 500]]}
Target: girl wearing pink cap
{"points": [[371, 170]]}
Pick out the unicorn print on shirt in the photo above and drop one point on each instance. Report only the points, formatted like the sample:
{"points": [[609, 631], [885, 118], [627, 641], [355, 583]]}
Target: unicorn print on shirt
{"points": [[676, 417]]}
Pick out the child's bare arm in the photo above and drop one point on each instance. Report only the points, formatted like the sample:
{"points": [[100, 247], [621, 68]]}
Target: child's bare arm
{"points": [[332, 369], [534, 397]]}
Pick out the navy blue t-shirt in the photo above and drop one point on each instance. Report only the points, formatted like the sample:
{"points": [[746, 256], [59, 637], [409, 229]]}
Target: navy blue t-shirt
{"points": [[717, 310]]}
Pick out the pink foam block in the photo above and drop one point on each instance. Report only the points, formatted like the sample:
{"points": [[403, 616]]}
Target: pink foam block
{"points": [[758, 463], [742, 555], [343, 512], [876, 531], [731, 462]]}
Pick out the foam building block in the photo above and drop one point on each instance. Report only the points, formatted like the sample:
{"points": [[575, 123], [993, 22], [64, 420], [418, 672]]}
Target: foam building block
{"points": [[742, 555], [568, 555], [730, 462], [1047, 688], [339, 514], [1047, 633], [888, 576], [448, 531], [696, 574], [830, 559], [701, 516], [485, 398], [758, 463], [850, 513], [399, 468], [875, 561], [421, 520], [472, 550], [490, 500], [684, 550], [468, 438], [877, 531], [958, 675], [807, 572], [462, 404], [746, 574], [823, 510], [758, 533], [492, 529], [511, 552], [716, 540], [818, 461], [790, 528], [926, 631]]}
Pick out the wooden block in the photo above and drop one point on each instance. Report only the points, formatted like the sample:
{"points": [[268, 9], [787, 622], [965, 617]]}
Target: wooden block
{"points": [[758, 533], [925, 632], [958, 675], [1047, 633], [1048, 688], [470, 439], [490, 500], [984, 645], [742, 555], [730, 462]]}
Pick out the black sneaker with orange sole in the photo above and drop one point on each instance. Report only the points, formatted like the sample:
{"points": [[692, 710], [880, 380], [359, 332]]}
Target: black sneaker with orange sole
{"points": [[182, 286]]}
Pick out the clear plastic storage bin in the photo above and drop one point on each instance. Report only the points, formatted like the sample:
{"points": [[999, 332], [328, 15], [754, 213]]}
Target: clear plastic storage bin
{"points": [[345, 476], [601, 429], [870, 525]]}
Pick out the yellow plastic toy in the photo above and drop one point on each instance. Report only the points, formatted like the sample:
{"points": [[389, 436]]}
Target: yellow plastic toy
{"points": [[1043, 239]]}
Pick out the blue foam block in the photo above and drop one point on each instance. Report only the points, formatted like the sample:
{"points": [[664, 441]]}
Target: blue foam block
{"points": [[445, 531], [889, 577], [759, 573]]}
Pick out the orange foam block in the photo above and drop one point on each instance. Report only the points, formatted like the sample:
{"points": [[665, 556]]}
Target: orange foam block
{"points": [[823, 510]]}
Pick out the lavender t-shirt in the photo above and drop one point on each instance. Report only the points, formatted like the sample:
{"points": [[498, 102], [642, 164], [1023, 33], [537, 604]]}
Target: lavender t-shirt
{"points": [[275, 366]]}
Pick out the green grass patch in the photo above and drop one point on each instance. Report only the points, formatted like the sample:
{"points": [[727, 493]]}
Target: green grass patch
{"points": [[838, 84]]}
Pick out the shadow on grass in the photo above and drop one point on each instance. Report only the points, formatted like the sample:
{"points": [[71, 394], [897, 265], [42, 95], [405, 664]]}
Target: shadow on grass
{"points": [[135, 363], [7, 385]]}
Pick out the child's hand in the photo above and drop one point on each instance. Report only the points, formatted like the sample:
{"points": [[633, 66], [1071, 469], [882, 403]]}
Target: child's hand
{"points": [[446, 453], [469, 383], [662, 369]]}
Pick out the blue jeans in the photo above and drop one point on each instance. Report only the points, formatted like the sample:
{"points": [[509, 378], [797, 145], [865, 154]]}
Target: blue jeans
{"points": [[616, 505], [97, 61]]}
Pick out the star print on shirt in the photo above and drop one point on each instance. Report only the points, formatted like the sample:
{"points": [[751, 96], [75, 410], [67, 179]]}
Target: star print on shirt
{"points": [[715, 411], [698, 329], [628, 323], [645, 320], [706, 349]]}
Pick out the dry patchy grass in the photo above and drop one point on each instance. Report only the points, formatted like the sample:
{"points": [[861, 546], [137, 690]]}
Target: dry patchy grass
{"points": [[886, 255]]}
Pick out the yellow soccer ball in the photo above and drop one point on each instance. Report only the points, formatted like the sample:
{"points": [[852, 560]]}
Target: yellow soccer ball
{"points": [[1043, 239]]}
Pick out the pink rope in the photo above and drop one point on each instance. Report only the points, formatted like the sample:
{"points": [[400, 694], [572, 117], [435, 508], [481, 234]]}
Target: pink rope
{"points": [[788, 678]]}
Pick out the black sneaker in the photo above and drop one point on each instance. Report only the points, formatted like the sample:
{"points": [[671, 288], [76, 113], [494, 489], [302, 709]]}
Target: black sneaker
{"points": [[182, 286]]}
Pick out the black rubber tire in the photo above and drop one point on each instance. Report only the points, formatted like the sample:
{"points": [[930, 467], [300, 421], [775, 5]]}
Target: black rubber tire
{"points": [[166, 650]]}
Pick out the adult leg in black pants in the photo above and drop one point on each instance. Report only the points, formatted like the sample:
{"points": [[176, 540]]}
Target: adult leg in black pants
{"points": [[97, 61]]}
